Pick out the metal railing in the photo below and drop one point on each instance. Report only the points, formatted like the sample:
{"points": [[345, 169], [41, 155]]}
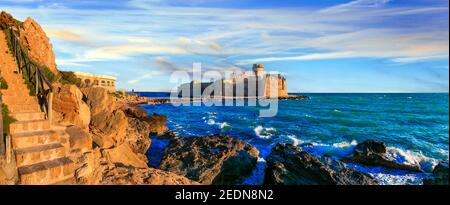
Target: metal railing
{"points": [[32, 74]]}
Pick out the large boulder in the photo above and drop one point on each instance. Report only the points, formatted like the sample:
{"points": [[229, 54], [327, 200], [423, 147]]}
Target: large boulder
{"points": [[157, 123], [79, 140], [374, 153], [215, 159], [289, 165], [39, 47], [69, 107], [124, 155], [108, 167], [439, 175], [108, 124]]}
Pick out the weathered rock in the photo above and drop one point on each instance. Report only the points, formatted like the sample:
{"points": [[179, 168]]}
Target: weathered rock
{"points": [[80, 141], [141, 176], [138, 136], [124, 155], [440, 175], [69, 107], [39, 47], [215, 159], [135, 112], [8, 172], [157, 124], [108, 124], [373, 153], [289, 165], [99, 100], [169, 135]]}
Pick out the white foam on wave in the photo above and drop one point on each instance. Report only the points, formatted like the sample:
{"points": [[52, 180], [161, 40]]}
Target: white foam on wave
{"points": [[412, 158], [345, 144], [211, 122], [295, 141], [223, 125], [392, 179], [264, 133]]}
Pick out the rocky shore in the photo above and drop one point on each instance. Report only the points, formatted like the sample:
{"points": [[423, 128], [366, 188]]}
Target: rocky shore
{"points": [[108, 137]]}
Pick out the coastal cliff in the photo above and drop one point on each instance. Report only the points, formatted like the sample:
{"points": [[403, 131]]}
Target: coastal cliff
{"points": [[106, 142]]}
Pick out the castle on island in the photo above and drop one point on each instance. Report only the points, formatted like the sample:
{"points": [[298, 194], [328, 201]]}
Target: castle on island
{"points": [[255, 83]]}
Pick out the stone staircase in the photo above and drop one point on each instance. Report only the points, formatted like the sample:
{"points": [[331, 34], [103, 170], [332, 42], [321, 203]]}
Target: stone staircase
{"points": [[40, 148]]}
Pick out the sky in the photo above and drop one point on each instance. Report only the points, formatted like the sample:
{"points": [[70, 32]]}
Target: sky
{"points": [[319, 46]]}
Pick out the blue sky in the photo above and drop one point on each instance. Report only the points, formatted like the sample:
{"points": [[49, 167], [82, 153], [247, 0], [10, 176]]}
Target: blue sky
{"points": [[320, 46]]}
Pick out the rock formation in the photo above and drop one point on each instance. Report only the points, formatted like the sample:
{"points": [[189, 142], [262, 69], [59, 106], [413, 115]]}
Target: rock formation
{"points": [[289, 165], [373, 153], [105, 145], [69, 107], [39, 47], [439, 176], [219, 159]]}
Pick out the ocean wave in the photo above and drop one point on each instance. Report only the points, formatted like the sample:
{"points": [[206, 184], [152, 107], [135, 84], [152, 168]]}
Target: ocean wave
{"points": [[294, 140], [345, 144], [264, 133], [345, 148], [392, 179], [223, 125], [412, 158], [211, 122]]}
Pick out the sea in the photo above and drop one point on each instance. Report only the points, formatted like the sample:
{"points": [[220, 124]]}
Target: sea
{"points": [[414, 126]]}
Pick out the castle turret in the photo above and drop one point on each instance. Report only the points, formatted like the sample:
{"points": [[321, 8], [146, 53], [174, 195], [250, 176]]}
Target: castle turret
{"points": [[258, 69]]}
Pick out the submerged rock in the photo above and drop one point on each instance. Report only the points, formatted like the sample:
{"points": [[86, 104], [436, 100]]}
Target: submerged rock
{"points": [[440, 175], [373, 153], [289, 165], [218, 159]]}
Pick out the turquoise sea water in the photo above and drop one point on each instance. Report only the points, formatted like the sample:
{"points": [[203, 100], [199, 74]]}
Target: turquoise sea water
{"points": [[414, 127]]}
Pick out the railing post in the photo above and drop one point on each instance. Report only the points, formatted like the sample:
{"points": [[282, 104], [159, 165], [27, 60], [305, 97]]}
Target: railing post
{"points": [[36, 79], [8, 149], [50, 107], [2, 137]]}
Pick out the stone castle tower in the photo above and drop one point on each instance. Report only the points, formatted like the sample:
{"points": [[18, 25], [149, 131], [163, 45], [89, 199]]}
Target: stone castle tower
{"points": [[258, 69]]}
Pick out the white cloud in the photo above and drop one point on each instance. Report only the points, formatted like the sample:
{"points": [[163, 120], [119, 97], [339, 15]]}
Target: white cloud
{"points": [[364, 30]]}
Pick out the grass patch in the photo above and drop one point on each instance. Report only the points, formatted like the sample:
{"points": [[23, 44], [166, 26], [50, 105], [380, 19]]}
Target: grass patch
{"points": [[68, 77], [7, 119]]}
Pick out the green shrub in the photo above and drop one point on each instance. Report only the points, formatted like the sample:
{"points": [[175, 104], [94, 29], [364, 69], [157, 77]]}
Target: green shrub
{"points": [[116, 94], [7, 119], [68, 77], [3, 84]]}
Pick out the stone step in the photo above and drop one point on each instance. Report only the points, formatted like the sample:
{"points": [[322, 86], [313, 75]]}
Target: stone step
{"points": [[37, 138], [27, 116], [37, 154], [26, 107], [16, 92], [68, 181], [10, 100], [48, 172], [29, 126]]}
